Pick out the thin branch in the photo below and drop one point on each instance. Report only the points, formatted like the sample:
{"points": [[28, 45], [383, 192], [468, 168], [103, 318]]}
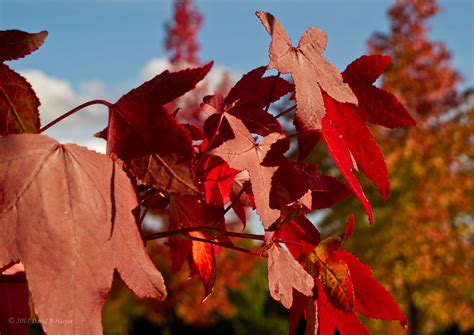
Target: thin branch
{"points": [[228, 246], [242, 190], [74, 110], [286, 111]]}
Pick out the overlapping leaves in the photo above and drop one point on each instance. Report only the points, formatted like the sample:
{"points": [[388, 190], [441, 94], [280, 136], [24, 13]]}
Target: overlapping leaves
{"points": [[239, 159]]}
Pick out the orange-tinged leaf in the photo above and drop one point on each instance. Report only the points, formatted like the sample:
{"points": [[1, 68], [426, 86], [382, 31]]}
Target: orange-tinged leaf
{"points": [[333, 274], [17, 44], [66, 213], [205, 260], [18, 104], [309, 69]]}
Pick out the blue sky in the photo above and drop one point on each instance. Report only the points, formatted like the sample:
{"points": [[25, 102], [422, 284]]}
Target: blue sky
{"points": [[111, 40], [99, 48]]}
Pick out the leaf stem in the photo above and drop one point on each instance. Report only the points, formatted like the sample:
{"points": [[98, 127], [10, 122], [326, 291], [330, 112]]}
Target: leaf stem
{"points": [[228, 246], [242, 190], [210, 230], [286, 111], [74, 110]]}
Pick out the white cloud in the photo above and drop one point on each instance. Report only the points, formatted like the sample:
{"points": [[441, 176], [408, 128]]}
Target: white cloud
{"points": [[154, 67], [56, 95], [213, 79]]}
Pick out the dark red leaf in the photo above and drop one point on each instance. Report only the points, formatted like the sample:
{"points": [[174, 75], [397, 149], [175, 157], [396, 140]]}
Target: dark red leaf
{"points": [[326, 190], [375, 105], [301, 232], [18, 104], [141, 129], [306, 143], [14, 295], [248, 98], [17, 44]]}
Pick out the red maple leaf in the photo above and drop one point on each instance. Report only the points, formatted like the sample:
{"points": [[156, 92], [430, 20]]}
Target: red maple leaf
{"points": [[342, 157], [358, 139], [217, 177], [286, 274], [309, 69], [17, 44], [67, 216], [146, 136], [375, 105], [242, 153], [191, 211], [18, 104]]}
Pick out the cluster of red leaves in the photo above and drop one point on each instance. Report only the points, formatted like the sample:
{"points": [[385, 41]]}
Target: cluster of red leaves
{"points": [[77, 209]]}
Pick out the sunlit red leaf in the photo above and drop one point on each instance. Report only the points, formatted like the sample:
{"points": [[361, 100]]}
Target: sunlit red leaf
{"points": [[83, 221], [205, 261], [360, 142], [372, 299], [334, 274], [309, 69], [375, 105], [242, 153], [286, 274], [342, 157]]}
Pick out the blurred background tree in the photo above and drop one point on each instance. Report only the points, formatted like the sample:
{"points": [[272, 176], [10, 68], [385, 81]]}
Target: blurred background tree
{"points": [[421, 247]]}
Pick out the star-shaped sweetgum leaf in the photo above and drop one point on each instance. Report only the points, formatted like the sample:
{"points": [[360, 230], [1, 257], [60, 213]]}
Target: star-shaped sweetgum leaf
{"points": [[247, 101], [146, 136], [309, 69], [362, 145], [375, 105], [242, 153], [67, 214], [343, 159]]}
